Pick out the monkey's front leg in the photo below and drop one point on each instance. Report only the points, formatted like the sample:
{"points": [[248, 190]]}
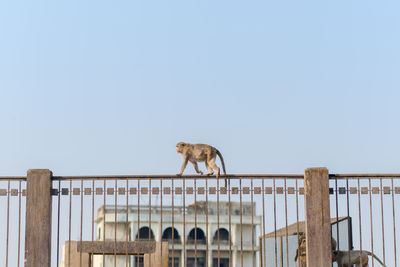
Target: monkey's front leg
{"points": [[196, 167], [185, 161]]}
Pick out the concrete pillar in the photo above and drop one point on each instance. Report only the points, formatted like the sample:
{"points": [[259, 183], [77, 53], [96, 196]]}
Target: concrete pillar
{"points": [[235, 258], [183, 258], [38, 218], [210, 257], [317, 212]]}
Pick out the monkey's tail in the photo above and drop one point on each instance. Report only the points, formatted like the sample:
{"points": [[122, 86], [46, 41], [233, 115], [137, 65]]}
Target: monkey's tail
{"points": [[376, 258], [223, 163], [222, 160]]}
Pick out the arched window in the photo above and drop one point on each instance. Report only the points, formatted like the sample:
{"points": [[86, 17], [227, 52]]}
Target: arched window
{"points": [[223, 236], [196, 234], [167, 235], [144, 234]]}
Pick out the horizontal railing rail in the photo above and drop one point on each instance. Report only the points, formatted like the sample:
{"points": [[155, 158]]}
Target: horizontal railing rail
{"points": [[12, 178], [177, 177]]}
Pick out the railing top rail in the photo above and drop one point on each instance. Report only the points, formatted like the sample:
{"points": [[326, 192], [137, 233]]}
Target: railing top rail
{"points": [[12, 178], [364, 176], [230, 176], [168, 177]]}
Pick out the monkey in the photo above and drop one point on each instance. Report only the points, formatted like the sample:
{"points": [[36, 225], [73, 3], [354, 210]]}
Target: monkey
{"points": [[356, 257], [341, 257], [198, 153], [301, 252]]}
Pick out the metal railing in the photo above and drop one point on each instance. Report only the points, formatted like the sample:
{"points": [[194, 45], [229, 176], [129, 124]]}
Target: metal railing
{"points": [[257, 220], [12, 220], [192, 207], [371, 202]]}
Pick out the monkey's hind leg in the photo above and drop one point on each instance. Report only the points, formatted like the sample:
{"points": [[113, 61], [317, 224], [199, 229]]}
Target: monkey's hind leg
{"points": [[215, 167], [211, 165], [210, 170]]}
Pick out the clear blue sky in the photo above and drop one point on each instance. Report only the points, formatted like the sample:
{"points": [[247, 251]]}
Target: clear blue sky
{"points": [[109, 87]]}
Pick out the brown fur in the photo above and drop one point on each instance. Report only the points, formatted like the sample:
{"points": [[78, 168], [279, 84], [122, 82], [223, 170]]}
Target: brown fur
{"points": [[199, 153], [342, 258]]}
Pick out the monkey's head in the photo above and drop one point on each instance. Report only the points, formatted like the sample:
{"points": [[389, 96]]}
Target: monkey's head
{"points": [[334, 255], [180, 146]]}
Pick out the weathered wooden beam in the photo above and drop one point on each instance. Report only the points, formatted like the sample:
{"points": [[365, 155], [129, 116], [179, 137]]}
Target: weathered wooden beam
{"points": [[38, 218], [317, 212], [159, 258], [119, 247], [75, 258]]}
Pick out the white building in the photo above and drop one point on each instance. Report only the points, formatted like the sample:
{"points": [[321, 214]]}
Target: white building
{"points": [[166, 221]]}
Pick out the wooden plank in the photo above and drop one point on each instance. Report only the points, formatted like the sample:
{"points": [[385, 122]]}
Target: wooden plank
{"points": [[317, 209], [38, 218], [74, 259], [159, 257], [120, 247]]}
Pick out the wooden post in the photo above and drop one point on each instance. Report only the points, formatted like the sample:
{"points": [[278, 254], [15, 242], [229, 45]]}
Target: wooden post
{"points": [[318, 225], [38, 218]]}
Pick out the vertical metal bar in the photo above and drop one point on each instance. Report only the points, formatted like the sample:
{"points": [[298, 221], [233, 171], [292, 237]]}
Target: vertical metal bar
{"points": [[218, 240], [241, 223], [195, 223], [281, 248], [370, 217], [80, 239], [58, 222], [138, 220], [115, 221], [150, 210], [104, 218], [337, 214], [359, 218], [383, 224], [150, 263], [286, 225], [207, 233], [348, 221], [263, 207], [69, 230], [230, 223], [93, 211], [276, 247], [173, 225], [184, 223], [19, 223], [297, 218], [8, 220], [252, 225], [394, 228], [127, 259], [91, 255], [161, 214]]}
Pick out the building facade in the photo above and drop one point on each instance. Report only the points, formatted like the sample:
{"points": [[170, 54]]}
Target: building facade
{"points": [[192, 232]]}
